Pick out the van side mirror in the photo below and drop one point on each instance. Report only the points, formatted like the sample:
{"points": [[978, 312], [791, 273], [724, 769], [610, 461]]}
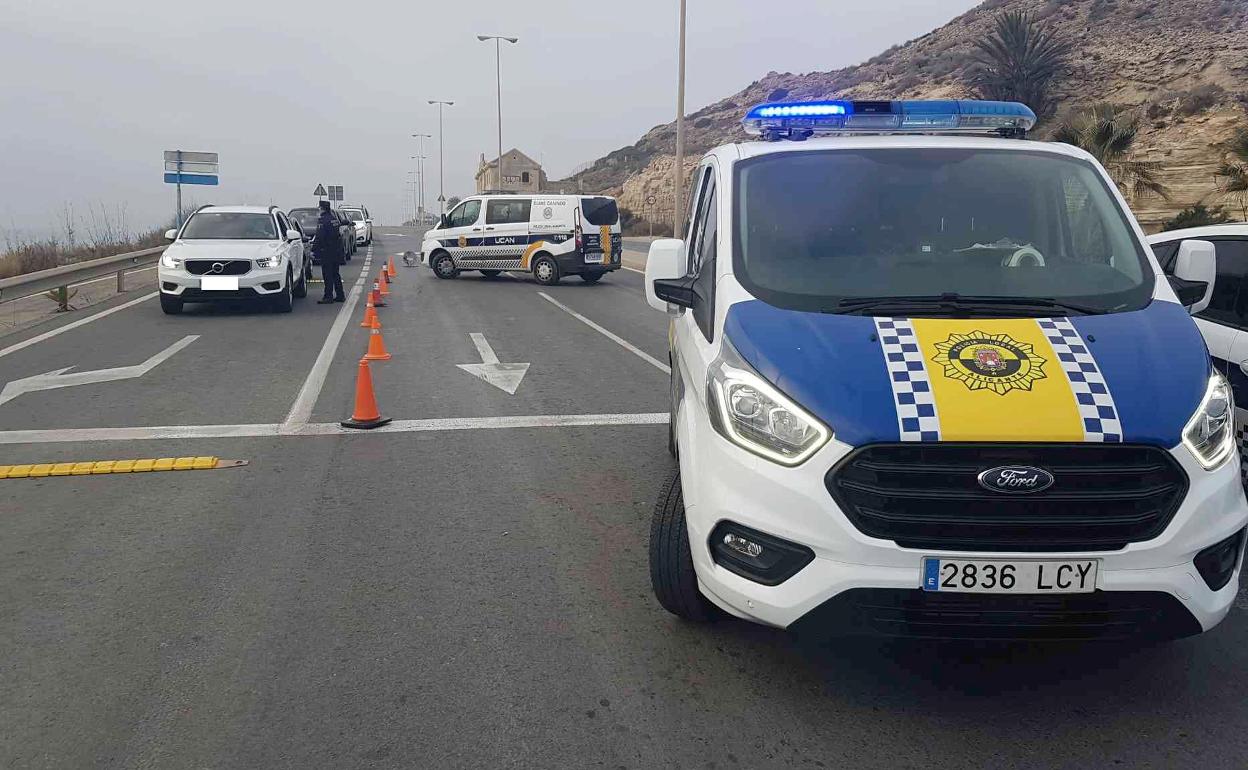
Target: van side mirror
{"points": [[666, 283], [442, 222], [171, 235], [1195, 269]]}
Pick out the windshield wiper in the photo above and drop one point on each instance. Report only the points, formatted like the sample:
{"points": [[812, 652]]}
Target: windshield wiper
{"points": [[953, 303]]}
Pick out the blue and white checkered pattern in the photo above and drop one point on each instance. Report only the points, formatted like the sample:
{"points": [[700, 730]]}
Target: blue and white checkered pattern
{"points": [[912, 388], [1095, 402]]}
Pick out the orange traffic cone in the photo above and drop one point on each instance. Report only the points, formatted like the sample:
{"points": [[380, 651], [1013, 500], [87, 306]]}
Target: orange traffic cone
{"points": [[366, 414], [390, 268], [371, 321], [376, 296], [385, 285], [376, 346]]}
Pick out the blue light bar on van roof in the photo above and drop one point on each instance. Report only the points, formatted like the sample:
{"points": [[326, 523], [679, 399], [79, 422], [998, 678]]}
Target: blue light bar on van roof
{"points": [[799, 120]]}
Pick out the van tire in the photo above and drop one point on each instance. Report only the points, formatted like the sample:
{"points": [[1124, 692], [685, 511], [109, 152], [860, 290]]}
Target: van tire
{"points": [[443, 266], [592, 277], [491, 273], [546, 270], [672, 577], [170, 304]]}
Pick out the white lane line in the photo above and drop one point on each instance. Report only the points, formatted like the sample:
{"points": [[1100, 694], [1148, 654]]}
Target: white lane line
{"points": [[78, 435], [633, 269], [301, 410], [80, 322], [630, 347]]}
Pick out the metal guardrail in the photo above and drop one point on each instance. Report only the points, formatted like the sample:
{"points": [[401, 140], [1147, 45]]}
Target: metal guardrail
{"points": [[30, 284]]}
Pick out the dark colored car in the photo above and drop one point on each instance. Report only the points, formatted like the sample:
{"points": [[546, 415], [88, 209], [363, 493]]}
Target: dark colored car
{"points": [[307, 217]]}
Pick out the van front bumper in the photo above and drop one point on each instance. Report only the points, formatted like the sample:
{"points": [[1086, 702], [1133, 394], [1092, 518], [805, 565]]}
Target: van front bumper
{"points": [[857, 584]]}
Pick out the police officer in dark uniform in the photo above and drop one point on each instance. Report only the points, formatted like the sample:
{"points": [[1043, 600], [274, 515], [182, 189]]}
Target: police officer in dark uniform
{"points": [[329, 252]]}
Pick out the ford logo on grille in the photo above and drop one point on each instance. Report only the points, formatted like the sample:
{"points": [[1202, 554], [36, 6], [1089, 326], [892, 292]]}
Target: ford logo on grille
{"points": [[1016, 479]]}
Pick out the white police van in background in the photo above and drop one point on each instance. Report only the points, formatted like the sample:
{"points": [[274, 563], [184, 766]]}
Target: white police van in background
{"points": [[928, 380], [1224, 323], [231, 253], [548, 235]]}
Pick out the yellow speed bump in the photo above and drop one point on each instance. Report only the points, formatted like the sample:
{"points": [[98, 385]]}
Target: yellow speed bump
{"points": [[104, 467]]}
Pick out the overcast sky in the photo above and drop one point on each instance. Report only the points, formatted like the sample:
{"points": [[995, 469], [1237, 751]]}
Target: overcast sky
{"points": [[292, 96]]}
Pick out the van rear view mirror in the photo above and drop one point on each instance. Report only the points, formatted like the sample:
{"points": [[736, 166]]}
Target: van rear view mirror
{"points": [[1196, 264], [666, 262]]}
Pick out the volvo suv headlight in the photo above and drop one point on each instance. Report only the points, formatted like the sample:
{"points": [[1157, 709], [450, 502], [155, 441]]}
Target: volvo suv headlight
{"points": [[1210, 434], [274, 260], [750, 412], [170, 261]]}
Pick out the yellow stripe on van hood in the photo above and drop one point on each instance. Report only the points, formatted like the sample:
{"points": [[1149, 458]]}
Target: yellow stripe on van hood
{"points": [[988, 373]]}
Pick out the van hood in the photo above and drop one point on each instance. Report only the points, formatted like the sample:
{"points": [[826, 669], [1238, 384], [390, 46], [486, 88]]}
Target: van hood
{"points": [[1132, 377], [222, 249]]}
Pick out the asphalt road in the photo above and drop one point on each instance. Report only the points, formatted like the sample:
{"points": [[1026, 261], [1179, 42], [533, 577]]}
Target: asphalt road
{"points": [[458, 591]]}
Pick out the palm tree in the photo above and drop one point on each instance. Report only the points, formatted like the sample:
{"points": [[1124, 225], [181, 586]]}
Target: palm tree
{"points": [[1234, 172], [1108, 132], [1018, 62]]}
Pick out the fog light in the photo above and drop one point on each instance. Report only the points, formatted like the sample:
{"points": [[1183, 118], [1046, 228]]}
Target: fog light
{"points": [[742, 546], [1217, 563], [757, 556]]}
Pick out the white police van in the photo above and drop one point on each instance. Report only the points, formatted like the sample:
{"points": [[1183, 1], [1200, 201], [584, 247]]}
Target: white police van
{"points": [[928, 380], [548, 235]]}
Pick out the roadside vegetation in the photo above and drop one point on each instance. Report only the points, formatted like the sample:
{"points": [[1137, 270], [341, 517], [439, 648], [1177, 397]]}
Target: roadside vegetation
{"points": [[1199, 215], [1233, 173], [1108, 132], [1018, 62], [101, 232]]}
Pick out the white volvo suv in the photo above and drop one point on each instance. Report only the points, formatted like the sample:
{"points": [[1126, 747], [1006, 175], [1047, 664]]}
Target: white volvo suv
{"points": [[233, 253]]}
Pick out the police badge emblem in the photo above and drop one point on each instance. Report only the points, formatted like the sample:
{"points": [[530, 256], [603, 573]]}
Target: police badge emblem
{"points": [[993, 362]]}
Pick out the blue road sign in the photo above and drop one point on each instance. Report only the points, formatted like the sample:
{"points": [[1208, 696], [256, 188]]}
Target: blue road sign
{"points": [[208, 179]]}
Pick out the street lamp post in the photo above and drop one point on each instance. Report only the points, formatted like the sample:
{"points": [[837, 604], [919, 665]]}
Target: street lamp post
{"points": [[441, 156], [415, 199], [498, 73], [420, 170], [678, 180]]}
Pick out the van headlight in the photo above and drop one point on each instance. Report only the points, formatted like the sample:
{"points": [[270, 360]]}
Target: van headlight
{"points": [[750, 412], [1210, 434], [170, 261]]}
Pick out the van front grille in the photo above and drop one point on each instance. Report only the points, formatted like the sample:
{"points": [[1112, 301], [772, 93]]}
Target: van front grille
{"points": [[928, 496]]}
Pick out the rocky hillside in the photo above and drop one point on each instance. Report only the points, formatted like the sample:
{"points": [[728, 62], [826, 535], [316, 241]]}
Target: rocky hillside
{"points": [[1182, 63]]}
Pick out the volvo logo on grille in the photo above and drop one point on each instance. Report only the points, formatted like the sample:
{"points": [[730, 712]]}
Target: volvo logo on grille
{"points": [[217, 267], [1016, 479]]}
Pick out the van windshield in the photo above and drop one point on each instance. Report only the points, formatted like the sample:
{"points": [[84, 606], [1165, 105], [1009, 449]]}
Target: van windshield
{"points": [[855, 230]]}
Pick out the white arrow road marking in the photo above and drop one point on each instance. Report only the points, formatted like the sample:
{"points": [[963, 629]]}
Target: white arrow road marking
{"points": [[505, 377], [58, 379]]}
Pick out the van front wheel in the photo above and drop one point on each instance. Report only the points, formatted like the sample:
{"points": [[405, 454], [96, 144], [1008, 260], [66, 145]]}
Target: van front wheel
{"points": [[546, 270], [672, 577], [444, 266]]}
